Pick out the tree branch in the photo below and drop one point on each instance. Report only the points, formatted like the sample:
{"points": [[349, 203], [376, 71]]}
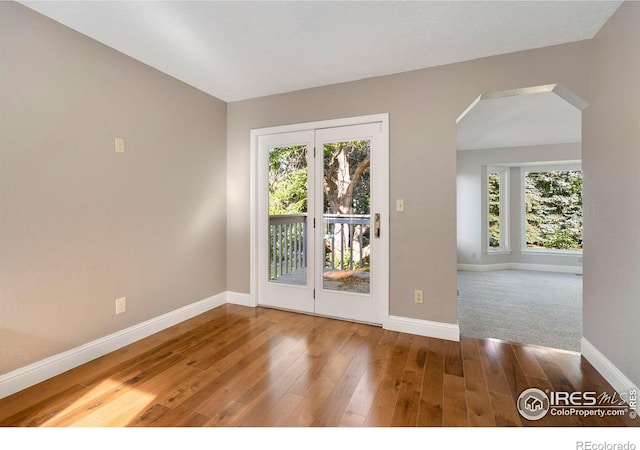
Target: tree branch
{"points": [[364, 165]]}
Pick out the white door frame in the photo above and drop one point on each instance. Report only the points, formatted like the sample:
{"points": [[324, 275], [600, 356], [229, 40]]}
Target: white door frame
{"points": [[383, 119]]}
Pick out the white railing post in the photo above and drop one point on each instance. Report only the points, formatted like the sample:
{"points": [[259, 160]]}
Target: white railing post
{"points": [[288, 254], [342, 229]]}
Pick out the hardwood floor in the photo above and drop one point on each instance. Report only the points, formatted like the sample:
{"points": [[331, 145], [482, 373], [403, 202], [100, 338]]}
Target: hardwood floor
{"points": [[237, 366]]}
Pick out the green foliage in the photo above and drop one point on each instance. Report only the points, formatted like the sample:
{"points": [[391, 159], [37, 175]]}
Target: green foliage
{"points": [[494, 209], [342, 161], [346, 188], [288, 180], [343, 262], [553, 202]]}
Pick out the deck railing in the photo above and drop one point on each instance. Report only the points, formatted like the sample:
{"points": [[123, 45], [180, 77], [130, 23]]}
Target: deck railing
{"points": [[345, 238], [288, 244]]}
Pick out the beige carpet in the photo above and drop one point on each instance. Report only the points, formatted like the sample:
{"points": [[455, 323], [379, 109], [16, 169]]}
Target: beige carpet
{"points": [[540, 308]]}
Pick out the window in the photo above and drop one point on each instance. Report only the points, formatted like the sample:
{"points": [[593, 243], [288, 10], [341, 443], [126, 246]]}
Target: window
{"points": [[498, 209], [553, 209]]}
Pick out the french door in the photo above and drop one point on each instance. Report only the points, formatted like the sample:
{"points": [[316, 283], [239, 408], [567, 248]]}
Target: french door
{"points": [[321, 211]]}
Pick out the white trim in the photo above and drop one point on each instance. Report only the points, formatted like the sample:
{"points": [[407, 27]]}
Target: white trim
{"points": [[505, 209], [542, 89], [570, 97], [498, 252], [253, 218], [484, 267], [333, 123], [607, 369], [384, 250], [239, 298], [44, 369], [439, 330], [557, 89], [521, 266], [469, 108], [548, 268], [550, 252]]}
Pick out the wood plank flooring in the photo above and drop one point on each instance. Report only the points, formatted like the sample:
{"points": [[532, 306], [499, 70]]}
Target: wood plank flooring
{"points": [[236, 366]]}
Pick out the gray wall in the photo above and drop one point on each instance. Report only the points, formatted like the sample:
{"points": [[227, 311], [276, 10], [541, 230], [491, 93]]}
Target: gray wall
{"points": [[423, 107], [611, 164], [81, 225], [471, 203]]}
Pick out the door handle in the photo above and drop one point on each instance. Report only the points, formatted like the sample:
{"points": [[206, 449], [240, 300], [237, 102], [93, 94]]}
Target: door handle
{"points": [[376, 225]]}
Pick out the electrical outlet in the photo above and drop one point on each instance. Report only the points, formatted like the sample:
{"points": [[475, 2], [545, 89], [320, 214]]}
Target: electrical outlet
{"points": [[418, 296], [121, 305]]}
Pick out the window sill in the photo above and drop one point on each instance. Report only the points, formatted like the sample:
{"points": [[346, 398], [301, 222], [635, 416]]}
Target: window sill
{"points": [[498, 252], [550, 252]]}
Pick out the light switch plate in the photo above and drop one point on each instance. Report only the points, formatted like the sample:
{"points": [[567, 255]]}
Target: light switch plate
{"points": [[400, 205], [119, 145], [121, 305]]}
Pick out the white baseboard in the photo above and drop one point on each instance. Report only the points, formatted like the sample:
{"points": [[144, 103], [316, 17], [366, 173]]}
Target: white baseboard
{"points": [[607, 369], [548, 268], [238, 298], [39, 371], [447, 331], [520, 266], [42, 370], [484, 267]]}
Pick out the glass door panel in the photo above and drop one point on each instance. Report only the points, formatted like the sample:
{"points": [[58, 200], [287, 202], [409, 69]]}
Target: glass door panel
{"points": [[288, 206], [347, 216]]}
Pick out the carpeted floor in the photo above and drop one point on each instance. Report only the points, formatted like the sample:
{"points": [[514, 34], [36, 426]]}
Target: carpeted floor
{"points": [[540, 308]]}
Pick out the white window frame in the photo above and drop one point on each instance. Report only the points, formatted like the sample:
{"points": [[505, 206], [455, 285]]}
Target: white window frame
{"points": [[562, 167], [505, 239]]}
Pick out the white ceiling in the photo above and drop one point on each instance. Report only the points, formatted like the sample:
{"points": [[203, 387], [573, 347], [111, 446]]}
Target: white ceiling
{"points": [[238, 50], [535, 116]]}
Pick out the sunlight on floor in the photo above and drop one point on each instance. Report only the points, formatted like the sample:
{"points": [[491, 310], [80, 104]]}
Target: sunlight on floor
{"points": [[105, 410]]}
